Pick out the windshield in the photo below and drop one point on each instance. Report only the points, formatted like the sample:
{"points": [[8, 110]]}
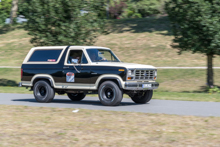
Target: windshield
{"points": [[101, 55]]}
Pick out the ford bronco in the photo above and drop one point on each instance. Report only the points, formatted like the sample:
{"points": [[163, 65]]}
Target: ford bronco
{"points": [[81, 70]]}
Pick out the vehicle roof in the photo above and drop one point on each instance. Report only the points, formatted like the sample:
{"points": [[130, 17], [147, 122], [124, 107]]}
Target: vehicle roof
{"points": [[85, 47]]}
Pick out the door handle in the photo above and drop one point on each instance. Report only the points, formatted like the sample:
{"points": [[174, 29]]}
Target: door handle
{"points": [[94, 73], [66, 67]]}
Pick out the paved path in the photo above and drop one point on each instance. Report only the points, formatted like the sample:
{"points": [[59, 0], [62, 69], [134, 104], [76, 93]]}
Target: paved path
{"points": [[156, 67], [154, 106], [10, 67]]}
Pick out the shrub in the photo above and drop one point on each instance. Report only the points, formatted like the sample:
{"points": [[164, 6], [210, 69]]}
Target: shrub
{"points": [[214, 89], [143, 8]]}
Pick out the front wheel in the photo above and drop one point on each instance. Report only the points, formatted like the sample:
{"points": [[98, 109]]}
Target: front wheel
{"points": [[142, 97], [76, 96], [110, 94]]}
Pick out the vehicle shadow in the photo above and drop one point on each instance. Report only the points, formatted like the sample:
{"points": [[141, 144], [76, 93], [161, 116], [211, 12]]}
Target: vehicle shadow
{"points": [[66, 101]]}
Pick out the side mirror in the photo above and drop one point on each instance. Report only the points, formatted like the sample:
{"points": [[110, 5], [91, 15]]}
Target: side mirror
{"points": [[74, 61]]}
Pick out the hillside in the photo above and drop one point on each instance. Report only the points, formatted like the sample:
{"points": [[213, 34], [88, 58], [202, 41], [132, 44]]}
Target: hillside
{"points": [[145, 41]]}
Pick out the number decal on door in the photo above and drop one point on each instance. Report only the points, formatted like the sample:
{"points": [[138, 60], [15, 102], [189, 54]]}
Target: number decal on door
{"points": [[70, 77]]}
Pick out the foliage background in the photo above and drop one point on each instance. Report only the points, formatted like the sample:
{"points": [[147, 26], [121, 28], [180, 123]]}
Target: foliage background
{"points": [[61, 22], [5, 8], [136, 8], [196, 26]]}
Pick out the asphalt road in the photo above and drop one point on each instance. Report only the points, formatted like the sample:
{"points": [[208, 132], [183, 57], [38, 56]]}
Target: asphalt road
{"points": [[154, 106]]}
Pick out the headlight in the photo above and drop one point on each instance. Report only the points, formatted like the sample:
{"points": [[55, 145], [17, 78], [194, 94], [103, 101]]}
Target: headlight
{"points": [[155, 73], [130, 72]]}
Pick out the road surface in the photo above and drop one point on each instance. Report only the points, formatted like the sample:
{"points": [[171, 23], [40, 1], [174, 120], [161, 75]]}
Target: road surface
{"points": [[93, 103]]}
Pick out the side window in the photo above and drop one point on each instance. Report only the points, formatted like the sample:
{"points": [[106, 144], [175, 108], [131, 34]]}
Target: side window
{"points": [[77, 54], [45, 55]]}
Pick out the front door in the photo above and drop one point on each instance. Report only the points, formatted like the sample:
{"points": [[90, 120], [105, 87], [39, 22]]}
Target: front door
{"points": [[76, 72]]}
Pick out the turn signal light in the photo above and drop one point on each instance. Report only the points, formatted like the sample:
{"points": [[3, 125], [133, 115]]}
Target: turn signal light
{"points": [[129, 78], [155, 78]]}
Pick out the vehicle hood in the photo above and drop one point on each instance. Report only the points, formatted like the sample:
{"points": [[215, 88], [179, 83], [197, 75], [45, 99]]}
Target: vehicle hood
{"points": [[123, 64]]}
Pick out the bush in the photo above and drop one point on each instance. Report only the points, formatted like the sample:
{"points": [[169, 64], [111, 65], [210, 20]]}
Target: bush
{"points": [[148, 7], [142, 8], [214, 89]]}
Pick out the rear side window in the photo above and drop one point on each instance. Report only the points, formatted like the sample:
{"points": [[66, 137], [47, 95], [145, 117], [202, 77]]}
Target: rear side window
{"points": [[45, 55]]}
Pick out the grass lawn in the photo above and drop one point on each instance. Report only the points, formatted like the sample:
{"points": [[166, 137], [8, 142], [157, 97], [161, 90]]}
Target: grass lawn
{"points": [[34, 126], [183, 96], [171, 80], [175, 84], [146, 40], [187, 96]]}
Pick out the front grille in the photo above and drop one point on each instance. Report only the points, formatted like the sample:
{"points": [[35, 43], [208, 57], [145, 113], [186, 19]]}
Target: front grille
{"points": [[144, 75]]}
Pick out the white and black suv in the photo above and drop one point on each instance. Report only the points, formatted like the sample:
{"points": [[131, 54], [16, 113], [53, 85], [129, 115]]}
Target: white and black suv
{"points": [[81, 70]]}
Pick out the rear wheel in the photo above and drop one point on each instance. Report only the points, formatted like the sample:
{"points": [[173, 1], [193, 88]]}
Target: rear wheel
{"points": [[43, 92], [110, 94], [76, 96], [142, 97]]}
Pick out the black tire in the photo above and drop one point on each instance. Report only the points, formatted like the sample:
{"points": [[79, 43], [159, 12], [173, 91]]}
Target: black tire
{"points": [[43, 92], [142, 97], [110, 94], [76, 96]]}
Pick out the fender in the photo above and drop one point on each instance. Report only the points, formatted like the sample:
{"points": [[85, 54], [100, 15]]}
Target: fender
{"points": [[110, 76], [114, 78], [43, 76]]}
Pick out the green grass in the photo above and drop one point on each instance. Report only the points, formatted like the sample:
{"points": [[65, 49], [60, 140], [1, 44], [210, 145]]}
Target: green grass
{"points": [[171, 80], [184, 80], [14, 45], [182, 96], [187, 96], [146, 40], [10, 77], [178, 84], [9, 89]]}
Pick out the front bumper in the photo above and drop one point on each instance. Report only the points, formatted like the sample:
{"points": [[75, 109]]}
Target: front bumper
{"points": [[141, 85]]}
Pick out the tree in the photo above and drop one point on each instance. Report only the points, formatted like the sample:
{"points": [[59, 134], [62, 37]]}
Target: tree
{"points": [[5, 6], [14, 9], [196, 27], [62, 22]]}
